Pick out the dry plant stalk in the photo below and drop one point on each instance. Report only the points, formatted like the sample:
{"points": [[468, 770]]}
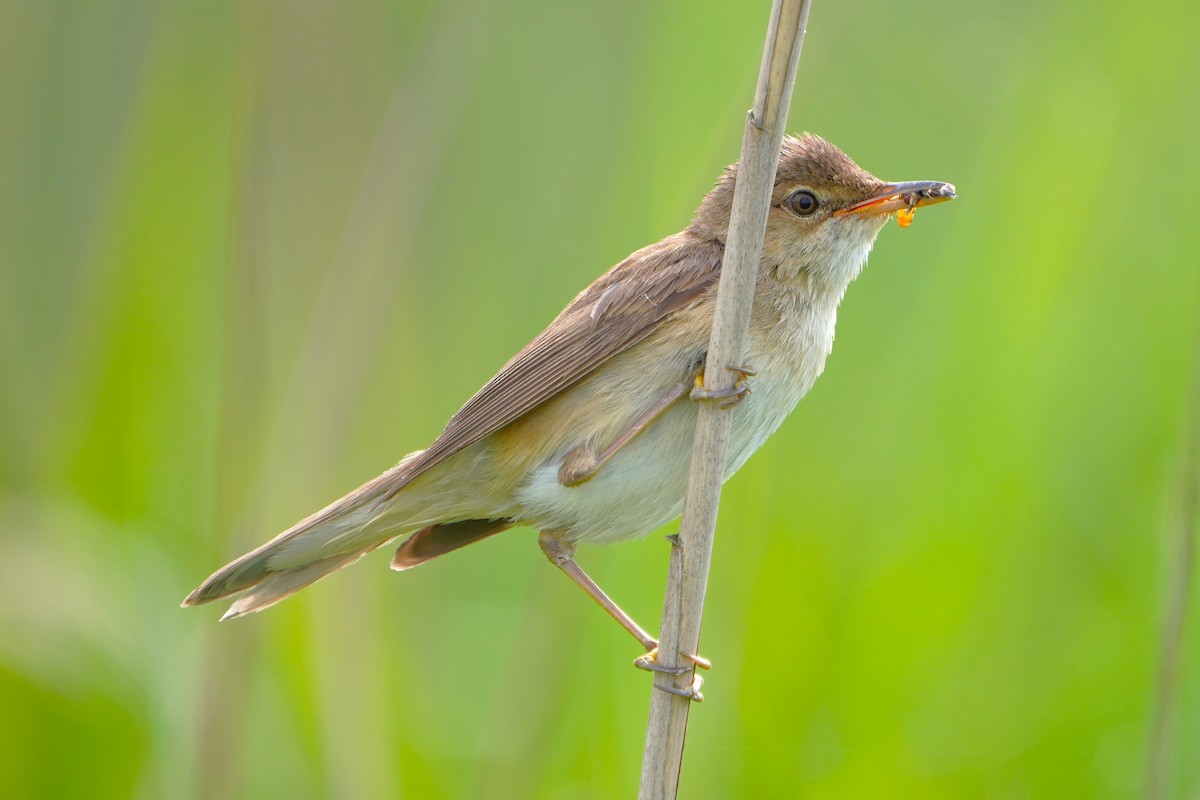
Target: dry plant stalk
{"points": [[688, 571], [1182, 545]]}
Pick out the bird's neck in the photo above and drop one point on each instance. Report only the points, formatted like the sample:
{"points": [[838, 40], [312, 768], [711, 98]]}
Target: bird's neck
{"points": [[818, 268]]}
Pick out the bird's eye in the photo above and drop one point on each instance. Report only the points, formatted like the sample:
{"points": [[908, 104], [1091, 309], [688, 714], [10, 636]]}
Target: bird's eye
{"points": [[802, 202]]}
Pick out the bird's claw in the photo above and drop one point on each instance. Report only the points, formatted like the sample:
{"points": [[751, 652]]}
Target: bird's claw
{"points": [[649, 662], [691, 692], [733, 395]]}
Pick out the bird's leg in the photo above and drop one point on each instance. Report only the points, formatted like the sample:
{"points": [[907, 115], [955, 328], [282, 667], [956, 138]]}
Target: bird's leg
{"points": [[734, 394], [650, 661], [562, 555], [582, 463]]}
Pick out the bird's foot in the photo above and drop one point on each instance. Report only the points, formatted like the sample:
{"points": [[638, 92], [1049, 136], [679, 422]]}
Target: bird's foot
{"points": [[733, 395], [690, 692], [650, 662]]}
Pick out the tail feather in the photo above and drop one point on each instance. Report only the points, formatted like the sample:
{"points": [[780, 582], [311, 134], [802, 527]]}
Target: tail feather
{"points": [[278, 586], [436, 540], [348, 529], [306, 552]]}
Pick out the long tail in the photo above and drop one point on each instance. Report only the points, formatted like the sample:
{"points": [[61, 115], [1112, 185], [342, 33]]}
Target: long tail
{"points": [[331, 539], [343, 532]]}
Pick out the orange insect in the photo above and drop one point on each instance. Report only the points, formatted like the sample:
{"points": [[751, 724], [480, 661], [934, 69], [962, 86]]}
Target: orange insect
{"points": [[905, 216]]}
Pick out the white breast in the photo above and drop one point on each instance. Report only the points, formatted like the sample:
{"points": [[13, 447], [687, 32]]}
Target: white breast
{"points": [[644, 484]]}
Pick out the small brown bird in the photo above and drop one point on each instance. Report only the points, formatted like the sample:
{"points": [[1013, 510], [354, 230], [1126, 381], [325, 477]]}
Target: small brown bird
{"points": [[586, 434]]}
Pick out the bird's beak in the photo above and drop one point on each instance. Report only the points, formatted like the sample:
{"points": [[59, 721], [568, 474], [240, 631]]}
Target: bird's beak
{"points": [[896, 196]]}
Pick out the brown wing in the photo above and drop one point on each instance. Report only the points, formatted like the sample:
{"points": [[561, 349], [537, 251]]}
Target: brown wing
{"points": [[621, 308], [618, 310]]}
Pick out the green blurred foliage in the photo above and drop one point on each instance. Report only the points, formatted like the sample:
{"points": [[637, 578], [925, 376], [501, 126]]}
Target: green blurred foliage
{"points": [[252, 253]]}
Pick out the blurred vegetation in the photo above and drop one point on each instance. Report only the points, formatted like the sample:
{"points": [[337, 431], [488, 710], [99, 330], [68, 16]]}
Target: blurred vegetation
{"points": [[252, 253]]}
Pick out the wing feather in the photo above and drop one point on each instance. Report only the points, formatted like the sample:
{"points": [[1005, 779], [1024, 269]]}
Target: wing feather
{"points": [[617, 311]]}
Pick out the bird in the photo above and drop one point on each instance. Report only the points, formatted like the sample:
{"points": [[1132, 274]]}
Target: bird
{"points": [[586, 433]]}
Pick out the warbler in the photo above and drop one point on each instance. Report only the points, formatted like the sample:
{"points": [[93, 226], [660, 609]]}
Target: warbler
{"points": [[586, 433]]}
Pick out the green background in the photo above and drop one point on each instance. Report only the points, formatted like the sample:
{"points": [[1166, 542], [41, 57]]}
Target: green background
{"points": [[252, 253]]}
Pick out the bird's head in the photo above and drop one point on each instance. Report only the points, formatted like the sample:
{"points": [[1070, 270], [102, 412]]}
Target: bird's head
{"points": [[825, 210]]}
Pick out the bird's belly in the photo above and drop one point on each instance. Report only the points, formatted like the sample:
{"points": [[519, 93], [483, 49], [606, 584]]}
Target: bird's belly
{"points": [[643, 486]]}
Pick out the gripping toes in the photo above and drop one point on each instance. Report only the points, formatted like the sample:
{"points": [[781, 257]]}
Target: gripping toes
{"points": [[649, 662], [733, 395], [692, 692]]}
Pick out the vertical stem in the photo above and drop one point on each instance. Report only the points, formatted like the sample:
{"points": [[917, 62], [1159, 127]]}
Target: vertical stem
{"points": [[688, 573], [1181, 560]]}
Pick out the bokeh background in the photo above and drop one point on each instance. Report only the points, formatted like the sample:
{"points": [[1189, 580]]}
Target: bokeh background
{"points": [[252, 253]]}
